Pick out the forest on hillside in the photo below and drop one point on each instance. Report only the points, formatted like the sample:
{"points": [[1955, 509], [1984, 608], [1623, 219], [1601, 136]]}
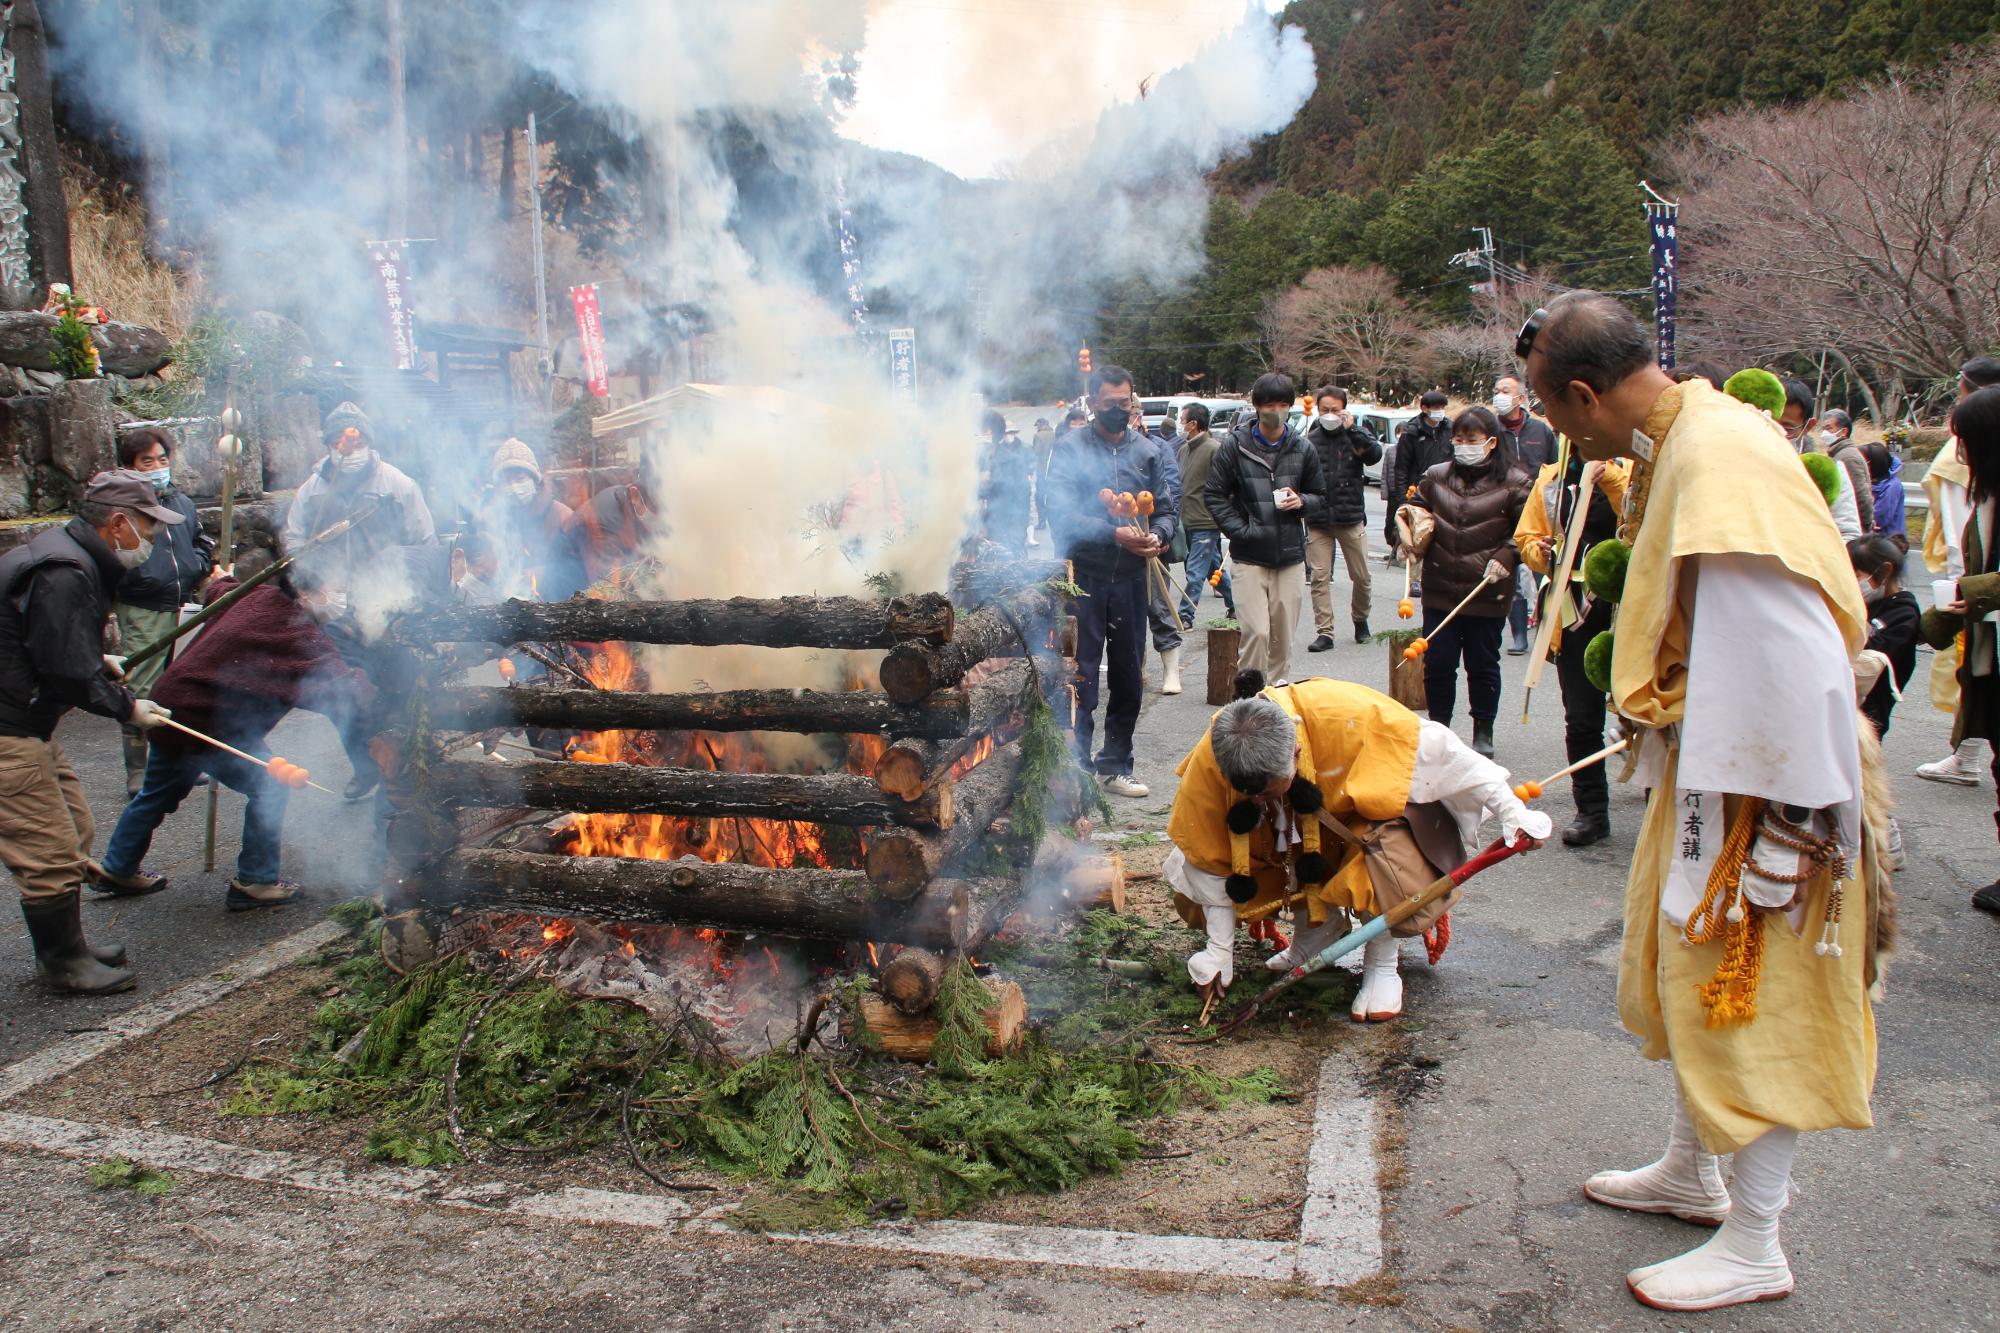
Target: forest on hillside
{"points": [[1538, 119]]}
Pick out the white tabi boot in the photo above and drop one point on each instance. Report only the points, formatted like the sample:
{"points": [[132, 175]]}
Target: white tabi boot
{"points": [[1381, 995], [1741, 1262], [1170, 671], [1685, 1183]]}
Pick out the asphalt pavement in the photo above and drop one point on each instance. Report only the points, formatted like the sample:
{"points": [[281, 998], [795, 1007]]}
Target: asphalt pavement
{"points": [[1516, 1084]]}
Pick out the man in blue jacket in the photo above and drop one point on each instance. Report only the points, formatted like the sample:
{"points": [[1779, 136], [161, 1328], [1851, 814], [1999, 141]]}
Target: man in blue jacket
{"points": [[1111, 556]]}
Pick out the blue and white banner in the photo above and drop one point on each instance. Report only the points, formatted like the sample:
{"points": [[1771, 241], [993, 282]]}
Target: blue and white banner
{"points": [[1663, 220]]}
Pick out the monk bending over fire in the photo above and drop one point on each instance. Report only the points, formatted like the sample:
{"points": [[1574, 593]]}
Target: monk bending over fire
{"points": [[1332, 799]]}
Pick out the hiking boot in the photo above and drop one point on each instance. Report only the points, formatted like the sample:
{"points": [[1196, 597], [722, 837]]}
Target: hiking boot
{"points": [[1988, 898], [1321, 644], [1589, 826], [361, 787], [1124, 784], [100, 880], [1482, 736], [63, 959], [1361, 634], [250, 897]]}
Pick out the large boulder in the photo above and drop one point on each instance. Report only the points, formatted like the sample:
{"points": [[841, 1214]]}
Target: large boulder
{"points": [[82, 430], [27, 340], [198, 468], [286, 428]]}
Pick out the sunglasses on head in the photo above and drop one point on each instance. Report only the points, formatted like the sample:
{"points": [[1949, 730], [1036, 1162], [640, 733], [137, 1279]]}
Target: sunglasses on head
{"points": [[1524, 342]]}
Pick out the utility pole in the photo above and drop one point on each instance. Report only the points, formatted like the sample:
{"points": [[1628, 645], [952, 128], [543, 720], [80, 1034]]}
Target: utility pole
{"points": [[1485, 235], [399, 135]]}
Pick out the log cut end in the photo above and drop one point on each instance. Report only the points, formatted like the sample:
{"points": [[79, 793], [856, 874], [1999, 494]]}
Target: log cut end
{"points": [[911, 1038], [911, 979]]}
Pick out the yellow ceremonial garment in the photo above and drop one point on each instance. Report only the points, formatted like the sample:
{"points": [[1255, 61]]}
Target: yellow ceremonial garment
{"points": [[1538, 523], [1360, 748], [1946, 467], [1725, 482]]}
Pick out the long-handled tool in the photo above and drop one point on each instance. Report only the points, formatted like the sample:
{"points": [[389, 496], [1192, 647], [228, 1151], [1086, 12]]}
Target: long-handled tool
{"points": [[1387, 921], [1532, 791], [228, 448], [277, 766], [1420, 644], [1557, 598]]}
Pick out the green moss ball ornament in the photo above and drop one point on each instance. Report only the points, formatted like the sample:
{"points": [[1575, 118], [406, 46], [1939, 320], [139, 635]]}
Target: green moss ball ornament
{"points": [[1759, 388], [1597, 662], [1825, 474], [1604, 569]]}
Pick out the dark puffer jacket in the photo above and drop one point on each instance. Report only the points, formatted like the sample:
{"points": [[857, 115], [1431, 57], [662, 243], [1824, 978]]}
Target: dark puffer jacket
{"points": [[182, 556], [1344, 455], [55, 595], [1477, 510], [1241, 497]]}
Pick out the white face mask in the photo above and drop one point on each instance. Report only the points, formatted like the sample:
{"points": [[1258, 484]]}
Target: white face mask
{"points": [[354, 462], [1503, 404], [1436, 418], [135, 557], [1471, 454], [1827, 439], [522, 488]]}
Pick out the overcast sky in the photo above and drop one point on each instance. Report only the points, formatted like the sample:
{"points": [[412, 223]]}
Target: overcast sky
{"points": [[976, 85]]}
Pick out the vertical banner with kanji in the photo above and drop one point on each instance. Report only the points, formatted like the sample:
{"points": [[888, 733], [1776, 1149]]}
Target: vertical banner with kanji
{"points": [[393, 278], [1663, 220], [903, 363], [590, 333]]}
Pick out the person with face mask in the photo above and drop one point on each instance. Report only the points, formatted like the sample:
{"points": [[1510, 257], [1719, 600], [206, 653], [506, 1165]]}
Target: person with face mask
{"points": [[1111, 452], [524, 518], [1528, 445], [1475, 502], [1195, 455], [1422, 443], [151, 596], [1756, 889], [365, 569], [56, 596], [1265, 485], [1853, 509]]}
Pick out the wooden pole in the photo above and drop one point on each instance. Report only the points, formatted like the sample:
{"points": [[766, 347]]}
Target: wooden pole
{"points": [[782, 622], [915, 668], [232, 423], [1557, 598]]}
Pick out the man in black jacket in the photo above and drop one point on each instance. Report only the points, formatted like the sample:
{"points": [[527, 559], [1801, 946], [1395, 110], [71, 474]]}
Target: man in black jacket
{"points": [[1345, 449], [1423, 442], [1263, 488], [150, 597], [1112, 453], [1528, 445], [55, 598]]}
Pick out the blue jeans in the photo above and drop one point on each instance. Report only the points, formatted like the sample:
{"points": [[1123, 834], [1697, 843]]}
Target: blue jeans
{"points": [[1111, 621], [1203, 559], [169, 779]]}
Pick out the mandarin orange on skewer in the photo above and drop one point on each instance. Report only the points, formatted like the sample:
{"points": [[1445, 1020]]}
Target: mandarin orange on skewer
{"points": [[1528, 791], [1405, 609]]}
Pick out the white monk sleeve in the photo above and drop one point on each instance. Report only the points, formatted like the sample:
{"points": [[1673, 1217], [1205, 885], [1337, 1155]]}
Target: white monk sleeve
{"points": [[1470, 786], [1218, 958]]}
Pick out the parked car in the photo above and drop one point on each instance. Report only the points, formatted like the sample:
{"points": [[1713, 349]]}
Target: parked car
{"points": [[1221, 412]]}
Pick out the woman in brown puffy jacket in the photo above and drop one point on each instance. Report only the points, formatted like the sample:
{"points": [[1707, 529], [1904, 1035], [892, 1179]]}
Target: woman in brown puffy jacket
{"points": [[1475, 501]]}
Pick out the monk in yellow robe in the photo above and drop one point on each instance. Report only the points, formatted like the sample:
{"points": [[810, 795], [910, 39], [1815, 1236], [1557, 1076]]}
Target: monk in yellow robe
{"points": [[1732, 665], [1247, 834]]}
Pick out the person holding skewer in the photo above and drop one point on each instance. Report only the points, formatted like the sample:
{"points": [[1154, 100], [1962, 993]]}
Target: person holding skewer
{"points": [[264, 656], [1115, 561], [1334, 795], [1545, 520]]}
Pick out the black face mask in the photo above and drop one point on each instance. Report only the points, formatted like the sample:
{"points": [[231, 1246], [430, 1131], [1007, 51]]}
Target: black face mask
{"points": [[1115, 419]]}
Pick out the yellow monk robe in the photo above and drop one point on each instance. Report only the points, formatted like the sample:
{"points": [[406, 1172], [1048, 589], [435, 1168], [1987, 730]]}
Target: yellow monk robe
{"points": [[1946, 467], [1358, 745], [1538, 525], [1726, 482]]}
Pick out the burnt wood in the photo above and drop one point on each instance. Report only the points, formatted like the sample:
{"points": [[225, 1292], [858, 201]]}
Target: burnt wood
{"points": [[901, 863], [781, 622]]}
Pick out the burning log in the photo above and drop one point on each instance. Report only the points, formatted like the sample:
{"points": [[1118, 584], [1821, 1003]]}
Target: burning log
{"points": [[901, 863], [782, 622], [913, 766], [911, 979], [915, 668], [636, 789], [946, 714], [978, 583], [824, 904], [911, 1038]]}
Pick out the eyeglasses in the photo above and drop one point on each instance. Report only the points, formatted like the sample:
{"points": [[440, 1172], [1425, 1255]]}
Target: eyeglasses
{"points": [[1524, 343]]}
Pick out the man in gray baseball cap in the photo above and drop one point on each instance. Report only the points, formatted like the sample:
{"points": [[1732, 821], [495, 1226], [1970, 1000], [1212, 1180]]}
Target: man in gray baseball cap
{"points": [[55, 599]]}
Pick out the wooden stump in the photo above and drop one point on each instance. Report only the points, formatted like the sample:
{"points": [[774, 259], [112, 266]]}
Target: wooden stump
{"points": [[1406, 678], [909, 1038], [1223, 646]]}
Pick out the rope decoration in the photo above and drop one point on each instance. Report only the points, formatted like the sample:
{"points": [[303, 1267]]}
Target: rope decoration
{"points": [[1730, 996]]}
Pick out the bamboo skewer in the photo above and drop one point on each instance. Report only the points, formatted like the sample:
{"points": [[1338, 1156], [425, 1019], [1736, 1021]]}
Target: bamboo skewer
{"points": [[230, 749], [1529, 791], [231, 423], [1424, 638]]}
